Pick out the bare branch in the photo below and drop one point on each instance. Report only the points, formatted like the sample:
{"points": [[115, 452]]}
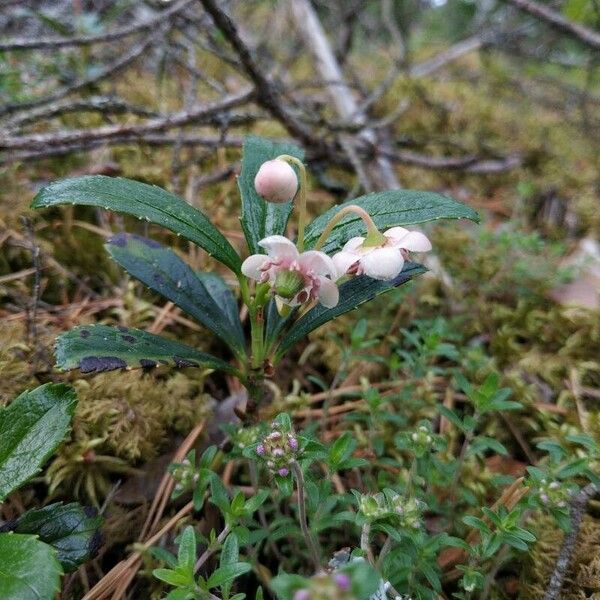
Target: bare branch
{"points": [[211, 113], [266, 92], [578, 506], [110, 69], [587, 36], [53, 43]]}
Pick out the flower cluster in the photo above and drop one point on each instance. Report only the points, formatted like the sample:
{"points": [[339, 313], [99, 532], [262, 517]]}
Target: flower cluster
{"points": [[404, 512], [279, 449], [335, 586], [296, 277], [553, 493], [185, 475]]}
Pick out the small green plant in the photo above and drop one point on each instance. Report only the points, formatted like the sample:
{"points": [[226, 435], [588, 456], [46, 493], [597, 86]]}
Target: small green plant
{"points": [[42, 543]]}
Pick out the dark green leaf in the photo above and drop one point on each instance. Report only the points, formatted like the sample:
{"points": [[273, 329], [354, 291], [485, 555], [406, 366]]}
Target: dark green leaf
{"points": [[203, 296], [71, 529], [353, 293], [143, 201], [98, 348], [186, 557], [31, 428], [28, 568], [260, 218], [387, 209]]}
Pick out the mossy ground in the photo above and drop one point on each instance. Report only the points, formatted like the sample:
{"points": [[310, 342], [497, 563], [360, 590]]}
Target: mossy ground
{"points": [[497, 313]]}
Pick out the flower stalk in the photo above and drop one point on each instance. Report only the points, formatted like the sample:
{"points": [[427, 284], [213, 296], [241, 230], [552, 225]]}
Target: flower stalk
{"points": [[374, 236], [301, 196], [314, 551]]}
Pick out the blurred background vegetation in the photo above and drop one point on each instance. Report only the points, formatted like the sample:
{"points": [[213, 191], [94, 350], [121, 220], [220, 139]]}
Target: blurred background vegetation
{"points": [[484, 100]]}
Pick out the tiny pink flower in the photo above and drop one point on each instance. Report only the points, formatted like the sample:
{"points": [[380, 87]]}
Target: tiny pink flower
{"points": [[294, 278], [276, 181], [302, 595], [382, 262], [283, 472], [260, 450], [293, 442], [343, 581]]}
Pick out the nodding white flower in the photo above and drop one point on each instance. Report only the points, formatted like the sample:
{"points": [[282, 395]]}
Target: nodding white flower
{"points": [[383, 261], [276, 181], [294, 278]]}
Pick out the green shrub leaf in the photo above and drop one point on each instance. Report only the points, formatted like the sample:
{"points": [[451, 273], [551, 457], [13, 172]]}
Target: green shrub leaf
{"points": [[353, 293], [98, 348], [203, 296], [71, 529], [31, 428], [148, 202], [260, 218], [29, 569], [387, 209]]}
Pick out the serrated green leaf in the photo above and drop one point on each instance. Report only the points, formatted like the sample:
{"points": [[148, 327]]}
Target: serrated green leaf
{"points": [[143, 201], [99, 348], [31, 428], [29, 569], [387, 209], [203, 296], [71, 529], [260, 218], [353, 293]]}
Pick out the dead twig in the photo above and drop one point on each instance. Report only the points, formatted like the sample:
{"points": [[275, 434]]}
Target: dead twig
{"points": [[578, 506]]}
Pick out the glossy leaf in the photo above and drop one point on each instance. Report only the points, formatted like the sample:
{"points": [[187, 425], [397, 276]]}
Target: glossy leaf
{"points": [[203, 296], [353, 293], [71, 529], [387, 209], [148, 202], [31, 428], [29, 569], [99, 348], [260, 218]]}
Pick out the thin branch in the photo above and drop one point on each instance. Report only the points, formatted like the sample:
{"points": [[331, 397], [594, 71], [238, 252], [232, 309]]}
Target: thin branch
{"points": [[578, 506], [202, 114], [587, 36], [123, 61], [266, 92], [54, 43]]}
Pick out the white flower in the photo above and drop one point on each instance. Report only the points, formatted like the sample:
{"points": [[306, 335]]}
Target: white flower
{"points": [[276, 181], [294, 278], [384, 261]]}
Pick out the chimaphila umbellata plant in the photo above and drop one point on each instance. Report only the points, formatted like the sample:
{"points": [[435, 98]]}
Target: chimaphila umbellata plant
{"points": [[290, 285], [348, 255]]}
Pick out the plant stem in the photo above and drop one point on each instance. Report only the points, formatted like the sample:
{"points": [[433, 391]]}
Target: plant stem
{"points": [[374, 236], [301, 197], [364, 543], [211, 548], [314, 551]]}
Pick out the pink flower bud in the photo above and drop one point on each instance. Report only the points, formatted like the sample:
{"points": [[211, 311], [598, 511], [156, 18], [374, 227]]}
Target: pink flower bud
{"points": [[276, 181], [293, 442], [302, 595], [283, 472], [260, 450]]}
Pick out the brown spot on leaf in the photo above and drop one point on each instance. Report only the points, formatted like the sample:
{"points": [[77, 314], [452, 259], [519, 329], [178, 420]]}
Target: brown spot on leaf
{"points": [[184, 362], [98, 364], [128, 338]]}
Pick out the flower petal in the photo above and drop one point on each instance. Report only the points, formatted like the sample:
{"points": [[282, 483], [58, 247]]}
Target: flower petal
{"points": [[414, 241], [343, 261], [382, 263], [279, 247], [396, 233], [328, 294], [251, 266], [353, 244], [318, 262]]}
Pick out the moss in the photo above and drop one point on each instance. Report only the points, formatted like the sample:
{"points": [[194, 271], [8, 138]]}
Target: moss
{"points": [[582, 581]]}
